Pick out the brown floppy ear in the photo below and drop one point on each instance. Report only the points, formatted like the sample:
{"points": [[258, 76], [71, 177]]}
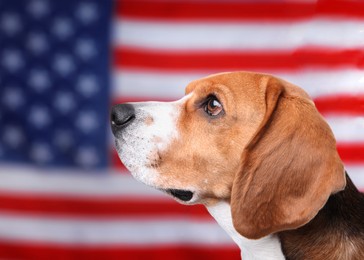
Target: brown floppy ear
{"points": [[289, 168]]}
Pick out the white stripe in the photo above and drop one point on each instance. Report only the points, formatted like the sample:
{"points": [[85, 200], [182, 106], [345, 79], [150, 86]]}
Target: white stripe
{"points": [[164, 231], [356, 173], [23, 180], [240, 36], [347, 129], [128, 232], [162, 85], [151, 85], [68, 183]]}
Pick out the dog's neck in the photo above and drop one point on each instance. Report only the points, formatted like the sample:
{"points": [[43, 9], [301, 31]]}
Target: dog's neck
{"points": [[266, 248]]}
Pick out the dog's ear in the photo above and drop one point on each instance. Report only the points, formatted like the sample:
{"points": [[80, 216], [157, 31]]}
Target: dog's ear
{"points": [[289, 168]]}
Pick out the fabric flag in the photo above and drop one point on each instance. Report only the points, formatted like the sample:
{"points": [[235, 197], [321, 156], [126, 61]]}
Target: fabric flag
{"points": [[63, 192]]}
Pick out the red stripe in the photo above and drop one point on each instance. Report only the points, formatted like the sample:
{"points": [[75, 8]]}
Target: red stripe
{"points": [[236, 11], [343, 104], [30, 250], [97, 207], [351, 153], [127, 57]]}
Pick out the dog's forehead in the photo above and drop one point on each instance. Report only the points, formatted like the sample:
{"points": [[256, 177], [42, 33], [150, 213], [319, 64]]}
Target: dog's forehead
{"points": [[233, 88]]}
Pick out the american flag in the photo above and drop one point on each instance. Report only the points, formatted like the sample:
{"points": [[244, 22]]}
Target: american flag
{"points": [[63, 192]]}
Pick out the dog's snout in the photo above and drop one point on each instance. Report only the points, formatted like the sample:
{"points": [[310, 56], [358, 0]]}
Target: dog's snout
{"points": [[121, 116]]}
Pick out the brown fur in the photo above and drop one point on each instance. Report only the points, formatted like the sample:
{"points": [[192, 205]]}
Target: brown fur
{"points": [[289, 169], [337, 232], [207, 152]]}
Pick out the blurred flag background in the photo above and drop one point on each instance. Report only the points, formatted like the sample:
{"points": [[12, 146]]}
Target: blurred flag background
{"points": [[63, 192]]}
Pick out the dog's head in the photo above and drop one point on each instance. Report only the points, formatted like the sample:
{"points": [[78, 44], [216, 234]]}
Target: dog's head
{"points": [[253, 140]]}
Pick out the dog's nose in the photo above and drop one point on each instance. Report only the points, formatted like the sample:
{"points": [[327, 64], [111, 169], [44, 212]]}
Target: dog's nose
{"points": [[121, 116]]}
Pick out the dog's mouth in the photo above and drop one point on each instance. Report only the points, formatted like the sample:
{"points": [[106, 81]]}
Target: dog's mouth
{"points": [[184, 195]]}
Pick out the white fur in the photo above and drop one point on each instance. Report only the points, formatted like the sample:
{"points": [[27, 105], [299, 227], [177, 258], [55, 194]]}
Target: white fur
{"points": [[266, 248], [140, 142]]}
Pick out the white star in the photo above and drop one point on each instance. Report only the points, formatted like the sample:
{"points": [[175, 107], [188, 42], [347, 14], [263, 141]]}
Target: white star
{"points": [[62, 28], [87, 85], [39, 116], [12, 60], [39, 80], [64, 102], [87, 12], [13, 98], [63, 64], [41, 153], [85, 49], [87, 157], [37, 43], [13, 136], [11, 24], [86, 121], [38, 8]]}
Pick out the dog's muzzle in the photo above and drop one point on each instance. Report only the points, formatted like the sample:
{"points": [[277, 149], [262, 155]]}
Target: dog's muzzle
{"points": [[121, 116]]}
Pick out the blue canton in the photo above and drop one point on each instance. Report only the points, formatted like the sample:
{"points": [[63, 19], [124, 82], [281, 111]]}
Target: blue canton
{"points": [[54, 82]]}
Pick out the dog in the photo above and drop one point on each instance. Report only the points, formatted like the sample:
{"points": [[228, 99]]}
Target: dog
{"points": [[256, 152]]}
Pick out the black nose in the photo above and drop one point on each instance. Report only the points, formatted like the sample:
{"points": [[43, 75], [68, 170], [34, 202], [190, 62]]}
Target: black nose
{"points": [[121, 116]]}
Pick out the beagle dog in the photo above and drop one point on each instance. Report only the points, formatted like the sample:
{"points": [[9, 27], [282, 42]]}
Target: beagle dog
{"points": [[256, 152]]}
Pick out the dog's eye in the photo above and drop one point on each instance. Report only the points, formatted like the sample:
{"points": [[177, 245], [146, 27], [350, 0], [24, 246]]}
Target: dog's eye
{"points": [[213, 106]]}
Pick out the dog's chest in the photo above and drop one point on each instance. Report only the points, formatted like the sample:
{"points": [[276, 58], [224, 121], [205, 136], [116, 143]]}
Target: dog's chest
{"points": [[266, 248]]}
